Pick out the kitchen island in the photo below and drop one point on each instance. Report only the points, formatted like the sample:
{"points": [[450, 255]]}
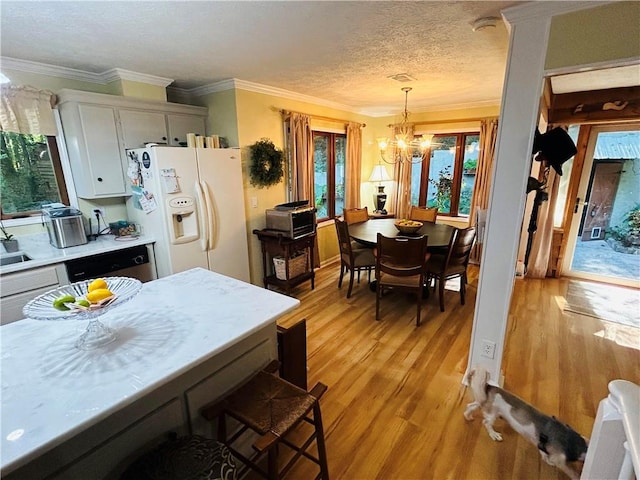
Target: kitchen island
{"points": [[184, 341]]}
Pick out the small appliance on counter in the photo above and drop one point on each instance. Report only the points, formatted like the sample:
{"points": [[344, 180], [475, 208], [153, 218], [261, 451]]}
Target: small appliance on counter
{"points": [[294, 219], [65, 227]]}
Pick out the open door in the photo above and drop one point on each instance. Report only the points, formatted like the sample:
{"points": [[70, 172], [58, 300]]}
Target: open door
{"points": [[603, 243]]}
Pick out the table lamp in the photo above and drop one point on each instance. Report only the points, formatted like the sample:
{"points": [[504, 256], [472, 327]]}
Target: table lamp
{"points": [[379, 175]]}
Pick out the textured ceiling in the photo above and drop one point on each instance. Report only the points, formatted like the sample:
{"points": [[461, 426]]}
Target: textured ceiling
{"points": [[341, 52]]}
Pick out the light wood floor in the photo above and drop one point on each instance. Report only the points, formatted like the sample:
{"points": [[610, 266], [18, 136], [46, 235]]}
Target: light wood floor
{"points": [[394, 405]]}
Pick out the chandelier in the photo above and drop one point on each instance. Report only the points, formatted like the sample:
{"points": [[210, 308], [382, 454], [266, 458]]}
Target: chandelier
{"points": [[405, 147]]}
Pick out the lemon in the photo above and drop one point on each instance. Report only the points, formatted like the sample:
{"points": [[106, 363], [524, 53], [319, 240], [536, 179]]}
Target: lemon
{"points": [[99, 294], [59, 303], [97, 284]]}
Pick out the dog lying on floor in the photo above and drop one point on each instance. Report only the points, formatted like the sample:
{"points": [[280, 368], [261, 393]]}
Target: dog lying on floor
{"points": [[557, 442]]}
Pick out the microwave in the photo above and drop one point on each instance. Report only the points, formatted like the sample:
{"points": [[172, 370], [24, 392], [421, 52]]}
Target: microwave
{"points": [[294, 222]]}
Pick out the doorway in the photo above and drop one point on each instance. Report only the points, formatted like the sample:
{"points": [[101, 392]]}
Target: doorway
{"points": [[604, 237]]}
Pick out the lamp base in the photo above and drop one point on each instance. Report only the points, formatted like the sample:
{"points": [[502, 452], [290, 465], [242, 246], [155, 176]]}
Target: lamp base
{"points": [[379, 199]]}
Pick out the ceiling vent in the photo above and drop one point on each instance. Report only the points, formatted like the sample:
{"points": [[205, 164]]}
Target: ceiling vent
{"points": [[484, 23], [402, 77]]}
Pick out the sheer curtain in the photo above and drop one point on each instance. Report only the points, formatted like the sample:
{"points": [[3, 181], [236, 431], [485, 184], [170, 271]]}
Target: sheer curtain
{"points": [[402, 174], [27, 110], [541, 245], [353, 165], [482, 186]]}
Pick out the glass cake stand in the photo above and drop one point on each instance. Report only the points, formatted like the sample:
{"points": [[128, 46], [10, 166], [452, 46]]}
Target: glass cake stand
{"points": [[97, 334]]}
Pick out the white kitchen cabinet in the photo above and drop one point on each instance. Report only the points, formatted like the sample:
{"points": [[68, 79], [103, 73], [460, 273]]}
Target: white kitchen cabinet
{"points": [[98, 128], [94, 149], [180, 125], [139, 127], [20, 287]]}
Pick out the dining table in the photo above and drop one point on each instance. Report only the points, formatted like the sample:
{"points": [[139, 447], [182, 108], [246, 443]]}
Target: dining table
{"points": [[366, 233]]}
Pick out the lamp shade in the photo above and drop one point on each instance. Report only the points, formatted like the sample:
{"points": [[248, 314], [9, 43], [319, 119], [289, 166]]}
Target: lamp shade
{"points": [[379, 174]]}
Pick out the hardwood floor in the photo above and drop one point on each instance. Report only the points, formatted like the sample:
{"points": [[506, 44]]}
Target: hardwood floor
{"points": [[395, 400]]}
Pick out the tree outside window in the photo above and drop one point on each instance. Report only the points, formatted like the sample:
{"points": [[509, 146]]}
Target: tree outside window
{"points": [[329, 153], [30, 174], [446, 176]]}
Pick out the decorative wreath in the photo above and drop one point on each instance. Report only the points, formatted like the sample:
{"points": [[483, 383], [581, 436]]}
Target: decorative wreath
{"points": [[266, 163]]}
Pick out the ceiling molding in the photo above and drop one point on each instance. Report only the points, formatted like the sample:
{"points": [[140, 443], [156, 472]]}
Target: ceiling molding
{"points": [[625, 62], [50, 70], [116, 74], [234, 83], [533, 10]]}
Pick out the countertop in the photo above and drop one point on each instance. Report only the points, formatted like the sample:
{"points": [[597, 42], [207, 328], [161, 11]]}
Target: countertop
{"points": [[52, 391], [42, 253]]}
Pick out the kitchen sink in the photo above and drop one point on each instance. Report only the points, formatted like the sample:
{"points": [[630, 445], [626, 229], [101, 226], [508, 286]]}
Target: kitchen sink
{"points": [[15, 258]]}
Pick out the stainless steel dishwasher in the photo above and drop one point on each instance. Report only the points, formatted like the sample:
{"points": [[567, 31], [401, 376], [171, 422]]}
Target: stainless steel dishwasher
{"points": [[136, 262]]}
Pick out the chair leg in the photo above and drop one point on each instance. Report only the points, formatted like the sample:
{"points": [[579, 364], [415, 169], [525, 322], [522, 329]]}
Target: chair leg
{"points": [[341, 275], [441, 282], [463, 282], [350, 282], [322, 450], [358, 276], [419, 301], [378, 293], [272, 463]]}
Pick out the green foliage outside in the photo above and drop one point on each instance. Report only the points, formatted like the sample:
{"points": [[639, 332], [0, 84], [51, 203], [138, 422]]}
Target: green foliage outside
{"points": [[628, 233], [27, 179], [443, 186], [470, 165]]}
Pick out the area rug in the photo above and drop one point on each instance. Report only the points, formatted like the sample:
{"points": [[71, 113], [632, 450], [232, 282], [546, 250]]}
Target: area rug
{"points": [[611, 303]]}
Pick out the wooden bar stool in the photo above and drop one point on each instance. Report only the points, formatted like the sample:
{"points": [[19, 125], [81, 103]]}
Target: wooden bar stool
{"points": [[272, 408]]}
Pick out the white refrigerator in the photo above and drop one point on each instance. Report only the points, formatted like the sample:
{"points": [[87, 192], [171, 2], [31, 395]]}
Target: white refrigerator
{"points": [[192, 201]]}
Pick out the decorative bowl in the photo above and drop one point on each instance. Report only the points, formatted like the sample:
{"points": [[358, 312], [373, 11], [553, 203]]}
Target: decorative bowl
{"points": [[408, 227]]}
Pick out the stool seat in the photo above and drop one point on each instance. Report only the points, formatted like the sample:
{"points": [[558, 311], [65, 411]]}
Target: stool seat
{"points": [[187, 458], [269, 404], [271, 407]]}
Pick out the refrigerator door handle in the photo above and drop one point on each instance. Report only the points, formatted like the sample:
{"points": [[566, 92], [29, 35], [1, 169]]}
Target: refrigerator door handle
{"points": [[211, 213], [203, 214]]}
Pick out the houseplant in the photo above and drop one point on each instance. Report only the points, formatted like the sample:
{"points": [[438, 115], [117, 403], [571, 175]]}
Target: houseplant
{"points": [[266, 163], [9, 243]]}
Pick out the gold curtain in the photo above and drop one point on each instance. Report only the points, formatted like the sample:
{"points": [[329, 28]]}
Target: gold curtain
{"points": [[482, 186], [353, 166], [27, 110], [402, 175], [300, 145]]}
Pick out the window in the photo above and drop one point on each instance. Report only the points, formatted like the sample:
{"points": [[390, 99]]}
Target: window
{"points": [[329, 151], [447, 174], [30, 174]]}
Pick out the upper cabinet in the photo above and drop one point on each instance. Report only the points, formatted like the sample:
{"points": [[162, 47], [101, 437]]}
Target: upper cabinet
{"points": [[98, 128]]}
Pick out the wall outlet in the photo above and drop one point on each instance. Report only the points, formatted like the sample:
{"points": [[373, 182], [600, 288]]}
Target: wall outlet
{"points": [[254, 202], [101, 211], [488, 349]]}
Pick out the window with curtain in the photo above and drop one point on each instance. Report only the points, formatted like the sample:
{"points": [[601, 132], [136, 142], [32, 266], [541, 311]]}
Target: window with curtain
{"points": [[30, 168], [446, 176], [329, 153]]}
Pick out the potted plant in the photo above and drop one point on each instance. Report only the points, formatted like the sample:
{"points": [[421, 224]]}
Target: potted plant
{"points": [[10, 244]]}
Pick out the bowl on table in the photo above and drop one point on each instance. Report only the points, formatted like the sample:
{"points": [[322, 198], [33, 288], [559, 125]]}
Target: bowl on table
{"points": [[408, 227]]}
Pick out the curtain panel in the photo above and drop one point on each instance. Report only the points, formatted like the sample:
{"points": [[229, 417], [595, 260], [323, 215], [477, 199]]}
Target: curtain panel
{"points": [[300, 146], [482, 187], [27, 110], [402, 174], [353, 165]]}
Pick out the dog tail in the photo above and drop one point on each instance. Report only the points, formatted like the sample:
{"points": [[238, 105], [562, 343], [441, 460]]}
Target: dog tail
{"points": [[477, 379]]}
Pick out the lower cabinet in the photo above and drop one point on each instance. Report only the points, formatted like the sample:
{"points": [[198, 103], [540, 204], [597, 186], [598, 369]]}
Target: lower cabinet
{"points": [[20, 287]]}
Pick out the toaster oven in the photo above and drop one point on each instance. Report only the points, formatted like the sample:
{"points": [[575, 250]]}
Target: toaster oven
{"points": [[293, 220]]}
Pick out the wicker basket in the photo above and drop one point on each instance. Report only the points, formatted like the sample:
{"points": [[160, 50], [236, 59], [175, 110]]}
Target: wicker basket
{"points": [[297, 265]]}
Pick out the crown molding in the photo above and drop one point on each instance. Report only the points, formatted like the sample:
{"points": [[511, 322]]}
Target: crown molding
{"points": [[234, 83], [50, 70], [120, 74]]}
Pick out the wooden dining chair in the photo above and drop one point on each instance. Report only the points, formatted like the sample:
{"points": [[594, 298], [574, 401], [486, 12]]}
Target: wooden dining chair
{"points": [[401, 264], [355, 215], [353, 260], [454, 264], [423, 214]]}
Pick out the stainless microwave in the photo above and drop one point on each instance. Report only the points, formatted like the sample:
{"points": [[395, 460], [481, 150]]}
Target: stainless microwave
{"points": [[294, 222]]}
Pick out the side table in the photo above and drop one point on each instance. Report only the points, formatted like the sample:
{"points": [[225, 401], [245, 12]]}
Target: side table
{"points": [[274, 243]]}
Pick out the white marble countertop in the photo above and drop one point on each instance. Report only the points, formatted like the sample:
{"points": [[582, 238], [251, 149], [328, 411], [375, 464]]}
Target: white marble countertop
{"points": [[42, 253], [52, 391]]}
